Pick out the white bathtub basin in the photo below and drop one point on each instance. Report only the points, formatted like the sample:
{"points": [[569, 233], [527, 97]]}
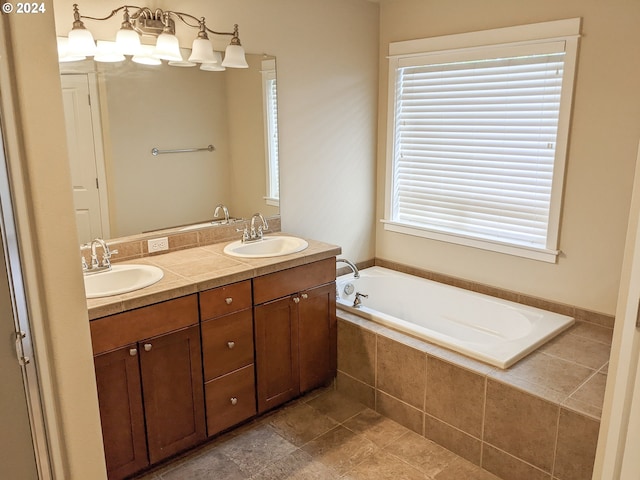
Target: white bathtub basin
{"points": [[121, 279]]}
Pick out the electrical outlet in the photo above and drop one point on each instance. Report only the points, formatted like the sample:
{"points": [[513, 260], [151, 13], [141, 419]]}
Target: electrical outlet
{"points": [[158, 244]]}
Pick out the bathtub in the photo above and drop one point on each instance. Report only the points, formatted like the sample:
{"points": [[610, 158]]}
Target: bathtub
{"points": [[495, 331]]}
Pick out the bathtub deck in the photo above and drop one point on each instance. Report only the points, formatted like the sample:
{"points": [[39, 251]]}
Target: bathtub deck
{"points": [[468, 406]]}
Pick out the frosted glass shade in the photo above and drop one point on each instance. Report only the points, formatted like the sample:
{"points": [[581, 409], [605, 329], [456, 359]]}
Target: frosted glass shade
{"points": [[202, 51], [214, 66], [63, 51], [145, 56], [107, 52], [81, 43], [168, 48], [234, 57], [128, 41], [182, 63]]}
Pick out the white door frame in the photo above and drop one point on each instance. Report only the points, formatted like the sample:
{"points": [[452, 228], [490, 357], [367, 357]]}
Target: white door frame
{"points": [[617, 456]]}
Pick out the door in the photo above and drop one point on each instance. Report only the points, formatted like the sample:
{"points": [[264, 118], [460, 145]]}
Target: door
{"points": [[317, 336], [121, 411], [17, 455], [24, 448], [276, 340], [172, 383], [617, 455], [85, 157]]}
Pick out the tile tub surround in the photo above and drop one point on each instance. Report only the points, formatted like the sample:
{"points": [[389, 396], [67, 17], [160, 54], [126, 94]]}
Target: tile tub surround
{"points": [[536, 420]]}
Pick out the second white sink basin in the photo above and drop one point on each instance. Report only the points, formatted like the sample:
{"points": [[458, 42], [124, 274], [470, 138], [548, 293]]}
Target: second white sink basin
{"points": [[121, 279], [274, 246]]}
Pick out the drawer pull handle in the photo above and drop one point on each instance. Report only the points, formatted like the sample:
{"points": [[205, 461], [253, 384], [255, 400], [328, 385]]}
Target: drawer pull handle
{"points": [[296, 299], [231, 344], [133, 352], [234, 400], [229, 300], [304, 296], [147, 347]]}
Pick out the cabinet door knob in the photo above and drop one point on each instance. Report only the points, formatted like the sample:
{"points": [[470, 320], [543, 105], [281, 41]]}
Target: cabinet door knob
{"points": [[296, 300], [231, 344], [304, 296], [229, 300], [234, 400], [133, 352], [147, 347]]}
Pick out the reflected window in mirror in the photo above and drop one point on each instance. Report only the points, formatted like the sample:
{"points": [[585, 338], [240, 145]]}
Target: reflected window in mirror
{"points": [[270, 98]]}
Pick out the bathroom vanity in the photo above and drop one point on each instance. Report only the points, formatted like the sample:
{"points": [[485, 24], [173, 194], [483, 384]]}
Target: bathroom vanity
{"points": [[198, 353]]}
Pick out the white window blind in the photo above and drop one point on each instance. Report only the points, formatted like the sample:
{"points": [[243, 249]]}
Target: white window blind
{"points": [[477, 136], [270, 97], [475, 146], [272, 121]]}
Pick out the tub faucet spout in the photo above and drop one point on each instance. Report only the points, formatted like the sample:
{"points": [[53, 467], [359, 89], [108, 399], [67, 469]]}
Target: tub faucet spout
{"points": [[225, 211], [357, 301], [356, 273]]}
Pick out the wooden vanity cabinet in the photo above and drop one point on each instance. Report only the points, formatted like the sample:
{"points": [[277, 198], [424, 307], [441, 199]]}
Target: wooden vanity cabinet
{"points": [[295, 331], [228, 355], [149, 377]]}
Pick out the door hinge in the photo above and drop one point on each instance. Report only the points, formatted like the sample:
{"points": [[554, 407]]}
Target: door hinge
{"points": [[97, 184]]}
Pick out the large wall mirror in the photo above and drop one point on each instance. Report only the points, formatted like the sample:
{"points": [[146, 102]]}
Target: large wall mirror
{"points": [[118, 113]]}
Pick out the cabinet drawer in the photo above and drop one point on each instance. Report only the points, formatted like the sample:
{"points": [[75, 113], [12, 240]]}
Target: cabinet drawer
{"points": [[118, 330], [286, 282], [227, 343], [230, 399], [224, 300]]}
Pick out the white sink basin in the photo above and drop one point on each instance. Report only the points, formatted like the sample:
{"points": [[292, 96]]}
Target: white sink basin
{"points": [[121, 279], [275, 246]]}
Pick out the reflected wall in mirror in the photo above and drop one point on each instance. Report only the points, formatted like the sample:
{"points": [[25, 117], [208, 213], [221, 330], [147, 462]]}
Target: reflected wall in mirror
{"points": [[122, 189]]}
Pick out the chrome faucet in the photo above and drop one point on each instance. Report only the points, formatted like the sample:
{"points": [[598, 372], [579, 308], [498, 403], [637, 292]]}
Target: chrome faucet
{"points": [[356, 301], [261, 228], [224, 209], [356, 273], [96, 265], [254, 234]]}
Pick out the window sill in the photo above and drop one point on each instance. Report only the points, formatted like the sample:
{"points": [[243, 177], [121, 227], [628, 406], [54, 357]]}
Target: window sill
{"points": [[544, 255]]}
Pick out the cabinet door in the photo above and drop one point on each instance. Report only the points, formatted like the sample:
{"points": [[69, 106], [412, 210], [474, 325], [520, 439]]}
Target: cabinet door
{"points": [[276, 341], [172, 382], [121, 412], [317, 336]]}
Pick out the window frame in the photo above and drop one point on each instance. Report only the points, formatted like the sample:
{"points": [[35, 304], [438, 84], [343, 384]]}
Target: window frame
{"points": [[474, 44], [269, 77]]}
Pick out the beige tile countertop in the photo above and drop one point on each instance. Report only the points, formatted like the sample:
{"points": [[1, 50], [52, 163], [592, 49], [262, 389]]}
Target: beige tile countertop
{"points": [[201, 268]]}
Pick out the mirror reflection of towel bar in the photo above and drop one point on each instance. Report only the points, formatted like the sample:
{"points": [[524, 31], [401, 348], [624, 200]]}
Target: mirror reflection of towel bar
{"points": [[155, 152]]}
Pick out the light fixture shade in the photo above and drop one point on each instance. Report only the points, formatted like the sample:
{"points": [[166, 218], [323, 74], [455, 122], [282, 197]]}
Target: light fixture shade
{"points": [[128, 41], [168, 48], [107, 52], [202, 51], [145, 56], [182, 63], [215, 66], [63, 51], [234, 57], [81, 43]]}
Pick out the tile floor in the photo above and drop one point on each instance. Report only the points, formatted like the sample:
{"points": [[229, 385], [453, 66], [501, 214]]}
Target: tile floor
{"points": [[324, 436]]}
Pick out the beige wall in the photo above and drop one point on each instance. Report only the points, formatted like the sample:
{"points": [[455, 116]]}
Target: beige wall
{"points": [[602, 148], [245, 113], [149, 192]]}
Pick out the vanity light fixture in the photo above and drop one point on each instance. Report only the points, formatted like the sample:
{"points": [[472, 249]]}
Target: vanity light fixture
{"points": [[138, 21]]}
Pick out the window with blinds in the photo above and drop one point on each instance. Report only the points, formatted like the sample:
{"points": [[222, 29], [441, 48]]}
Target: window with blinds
{"points": [[478, 143], [270, 97]]}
